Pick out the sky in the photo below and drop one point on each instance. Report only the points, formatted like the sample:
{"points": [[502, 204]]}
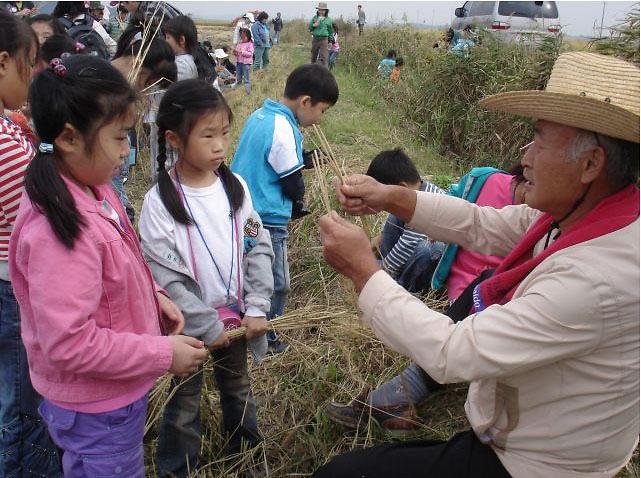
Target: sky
{"points": [[577, 18]]}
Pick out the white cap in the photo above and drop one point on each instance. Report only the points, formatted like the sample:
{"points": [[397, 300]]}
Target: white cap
{"points": [[220, 53], [249, 16]]}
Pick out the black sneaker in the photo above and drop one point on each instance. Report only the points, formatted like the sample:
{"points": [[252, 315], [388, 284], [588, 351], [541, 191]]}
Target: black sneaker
{"points": [[275, 347]]}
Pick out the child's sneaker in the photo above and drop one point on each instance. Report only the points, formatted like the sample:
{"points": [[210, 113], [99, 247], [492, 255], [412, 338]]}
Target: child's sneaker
{"points": [[395, 420]]}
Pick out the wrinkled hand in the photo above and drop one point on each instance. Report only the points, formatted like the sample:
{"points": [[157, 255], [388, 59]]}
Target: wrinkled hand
{"points": [[256, 326], [188, 354], [172, 318], [361, 195], [221, 342], [347, 249]]}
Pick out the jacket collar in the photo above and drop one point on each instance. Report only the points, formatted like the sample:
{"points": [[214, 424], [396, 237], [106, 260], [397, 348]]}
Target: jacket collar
{"points": [[280, 108]]}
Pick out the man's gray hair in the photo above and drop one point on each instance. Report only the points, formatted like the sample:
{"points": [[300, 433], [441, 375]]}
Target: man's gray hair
{"points": [[622, 157]]}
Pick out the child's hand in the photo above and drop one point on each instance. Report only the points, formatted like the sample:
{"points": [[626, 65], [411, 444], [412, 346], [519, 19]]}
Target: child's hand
{"points": [[188, 354], [172, 318], [256, 326], [221, 342]]}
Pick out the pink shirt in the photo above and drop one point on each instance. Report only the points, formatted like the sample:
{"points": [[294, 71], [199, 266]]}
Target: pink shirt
{"points": [[468, 265], [90, 315], [244, 52]]}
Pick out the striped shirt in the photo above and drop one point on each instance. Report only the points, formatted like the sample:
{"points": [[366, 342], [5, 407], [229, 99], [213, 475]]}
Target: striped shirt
{"points": [[407, 239], [15, 154]]}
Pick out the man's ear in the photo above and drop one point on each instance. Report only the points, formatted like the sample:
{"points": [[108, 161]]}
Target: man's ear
{"points": [[594, 165], [173, 139], [305, 101], [70, 141]]}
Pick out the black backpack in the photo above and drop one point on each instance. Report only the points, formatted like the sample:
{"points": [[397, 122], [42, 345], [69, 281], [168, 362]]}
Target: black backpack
{"points": [[81, 31]]}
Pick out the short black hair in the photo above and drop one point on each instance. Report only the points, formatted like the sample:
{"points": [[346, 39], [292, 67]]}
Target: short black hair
{"points": [[312, 80], [262, 16], [399, 61], [393, 167], [391, 54], [56, 45]]}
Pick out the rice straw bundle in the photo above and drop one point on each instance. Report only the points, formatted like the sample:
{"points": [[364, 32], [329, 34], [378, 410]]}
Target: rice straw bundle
{"points": [[303, 318]]}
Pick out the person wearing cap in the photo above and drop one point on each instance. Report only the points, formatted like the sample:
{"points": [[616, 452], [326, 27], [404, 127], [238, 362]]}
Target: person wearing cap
{"points": [[322, 30], [551, 346], [246, 21], [97, 11], [224, 77]]}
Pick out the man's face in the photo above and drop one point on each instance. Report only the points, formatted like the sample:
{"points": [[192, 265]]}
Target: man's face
{"points": [[553, 180]]}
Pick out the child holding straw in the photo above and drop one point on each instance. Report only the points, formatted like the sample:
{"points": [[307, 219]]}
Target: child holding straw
{"points": [[269, 157]]}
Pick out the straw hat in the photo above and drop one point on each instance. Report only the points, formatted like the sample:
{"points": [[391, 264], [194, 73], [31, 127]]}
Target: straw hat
{"points": [[321, 6], [586, 90]]}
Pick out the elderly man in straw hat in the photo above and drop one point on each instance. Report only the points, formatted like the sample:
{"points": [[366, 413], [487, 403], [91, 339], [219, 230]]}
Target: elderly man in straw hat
{"points": [[551, 347], [322, 30]]}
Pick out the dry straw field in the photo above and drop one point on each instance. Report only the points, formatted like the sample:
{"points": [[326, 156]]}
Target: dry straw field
{"points": [[332, 355]]}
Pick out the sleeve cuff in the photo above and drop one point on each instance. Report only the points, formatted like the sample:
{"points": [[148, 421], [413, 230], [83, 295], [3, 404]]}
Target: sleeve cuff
{"points": [[375, 289], [213, 332], [165, 353], [254, 311]]}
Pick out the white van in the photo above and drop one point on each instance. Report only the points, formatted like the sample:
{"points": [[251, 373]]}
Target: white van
{"points": [[510, 20]]}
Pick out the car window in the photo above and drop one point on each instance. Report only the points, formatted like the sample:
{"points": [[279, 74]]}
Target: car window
{"points": [[481, 8], [529, 9]]}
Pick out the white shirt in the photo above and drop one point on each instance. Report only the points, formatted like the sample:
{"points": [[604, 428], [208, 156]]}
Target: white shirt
{"points": [[186, 67]]}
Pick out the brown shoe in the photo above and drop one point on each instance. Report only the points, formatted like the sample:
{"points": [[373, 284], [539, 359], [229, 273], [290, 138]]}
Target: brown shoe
{"points": [[395, 420]]}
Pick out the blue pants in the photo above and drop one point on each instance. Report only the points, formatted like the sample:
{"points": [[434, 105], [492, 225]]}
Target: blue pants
{"points": [[107, 444], [25, 447], [180, 433], [242, 75], [261, 54], [280, 270]]}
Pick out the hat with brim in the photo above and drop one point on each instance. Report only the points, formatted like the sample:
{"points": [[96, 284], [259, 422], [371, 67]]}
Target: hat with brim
{"points": [[586, 90], [220, 53], [322, 6], [96, 6]]}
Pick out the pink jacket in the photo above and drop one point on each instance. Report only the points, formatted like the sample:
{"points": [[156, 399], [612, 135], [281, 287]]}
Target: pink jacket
{"points": [[90, 315], [244, 52]]}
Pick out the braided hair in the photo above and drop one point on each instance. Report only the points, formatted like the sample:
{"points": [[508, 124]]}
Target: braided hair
{"points": [[184, 103]]}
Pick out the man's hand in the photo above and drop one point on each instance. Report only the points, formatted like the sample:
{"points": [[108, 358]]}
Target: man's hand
{"points": [[172, 318], [256, 326], [361, 195], [347, 249], [220, 343]]}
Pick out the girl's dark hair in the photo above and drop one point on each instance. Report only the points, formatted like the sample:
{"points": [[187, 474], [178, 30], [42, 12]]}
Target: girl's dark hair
{"points": [[56, 45], [391, 54], [262, 16], [89, 94], [245, 31], [183, 26], [181, 107], [17, 39], [53, 22], [400, 61], [393, 167], [69, 9], [160, 60]]}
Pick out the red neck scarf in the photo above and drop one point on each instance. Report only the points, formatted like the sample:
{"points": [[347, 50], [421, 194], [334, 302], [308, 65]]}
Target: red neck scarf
{"points": [[613, 213]]}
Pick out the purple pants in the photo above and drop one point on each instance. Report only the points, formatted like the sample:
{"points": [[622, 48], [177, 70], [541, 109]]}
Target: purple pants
{"points": [[105, 444]]}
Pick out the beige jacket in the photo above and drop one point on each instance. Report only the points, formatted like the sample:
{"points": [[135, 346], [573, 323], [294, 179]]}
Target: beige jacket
{"points": [[555, 372]]}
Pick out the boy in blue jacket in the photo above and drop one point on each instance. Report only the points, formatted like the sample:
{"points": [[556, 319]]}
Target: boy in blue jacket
{"points": [[270, 158]]}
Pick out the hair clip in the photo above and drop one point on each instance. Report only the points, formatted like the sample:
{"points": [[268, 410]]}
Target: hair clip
{"points": [[79, 47], [57, 67], [46, 148]]}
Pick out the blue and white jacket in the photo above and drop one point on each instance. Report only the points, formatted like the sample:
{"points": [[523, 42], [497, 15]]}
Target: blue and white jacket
{"points": [[270, 148]]}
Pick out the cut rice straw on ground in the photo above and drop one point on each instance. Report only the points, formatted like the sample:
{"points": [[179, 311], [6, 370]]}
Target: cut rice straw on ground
{"points": [[304, 318]]}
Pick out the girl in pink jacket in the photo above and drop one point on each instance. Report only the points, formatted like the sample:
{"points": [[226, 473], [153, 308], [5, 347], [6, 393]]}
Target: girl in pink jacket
{"points": [[91, 312], [244, 51]]}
